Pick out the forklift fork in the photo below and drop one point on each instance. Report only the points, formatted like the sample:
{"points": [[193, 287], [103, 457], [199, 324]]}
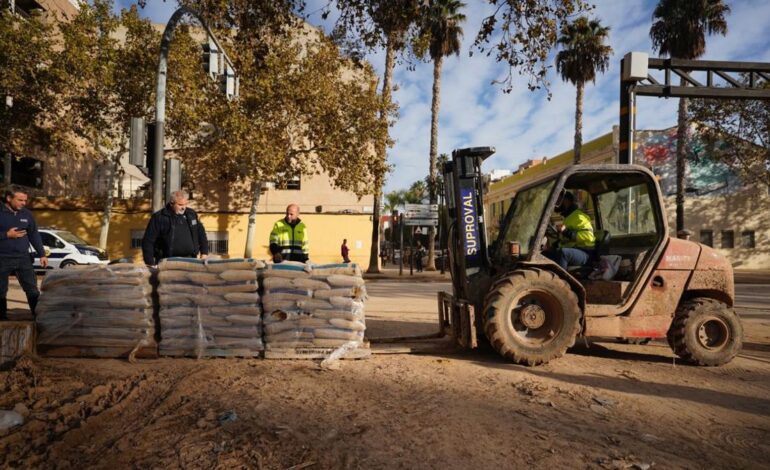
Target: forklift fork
{"points": [[455, 316], [459, 316]]}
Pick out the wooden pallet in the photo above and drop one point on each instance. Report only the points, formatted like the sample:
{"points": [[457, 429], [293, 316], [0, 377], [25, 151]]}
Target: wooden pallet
{"points": [[204, 353], [362, 352], [17, 338], [145, 352]]}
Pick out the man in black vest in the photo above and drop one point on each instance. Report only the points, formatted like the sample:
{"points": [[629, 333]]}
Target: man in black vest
{"points": [[174, 230]]}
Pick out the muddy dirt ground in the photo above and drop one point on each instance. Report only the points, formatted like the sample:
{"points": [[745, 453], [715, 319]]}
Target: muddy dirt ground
{"points": [[600, 406]]}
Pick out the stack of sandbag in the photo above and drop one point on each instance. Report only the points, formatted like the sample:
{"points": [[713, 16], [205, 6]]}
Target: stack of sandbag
{"points": [[209, 308], [97, 310], [311, 310]]}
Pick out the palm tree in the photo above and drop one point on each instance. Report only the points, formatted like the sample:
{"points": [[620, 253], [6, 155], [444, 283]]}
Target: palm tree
{"points": [[679, 30], [583, 54], [441, 23]]}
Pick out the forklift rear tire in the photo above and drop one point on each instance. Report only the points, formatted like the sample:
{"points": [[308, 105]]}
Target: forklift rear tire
{"points": [[531, 316], [706, 332]]}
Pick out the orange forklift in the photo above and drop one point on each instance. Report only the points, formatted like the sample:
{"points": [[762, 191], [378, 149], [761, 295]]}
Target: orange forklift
{"points": [[531, 310]]}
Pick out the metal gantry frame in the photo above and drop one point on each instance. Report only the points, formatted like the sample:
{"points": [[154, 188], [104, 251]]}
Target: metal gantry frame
{"points": [[723, 80]]}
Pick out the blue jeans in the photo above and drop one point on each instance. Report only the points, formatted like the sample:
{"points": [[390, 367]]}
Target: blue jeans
{"points": [[569, 256], [21, 266]]}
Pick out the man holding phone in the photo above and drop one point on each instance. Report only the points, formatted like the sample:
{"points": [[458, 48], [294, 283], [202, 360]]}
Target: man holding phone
{"points": [[17, 231]]}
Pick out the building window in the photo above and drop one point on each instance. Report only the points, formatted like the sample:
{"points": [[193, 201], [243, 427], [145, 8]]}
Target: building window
{"points": [[25, 171], [294, 184], [218, 243], [747, 239], [707, 237], [136, 239], [728, 239]]}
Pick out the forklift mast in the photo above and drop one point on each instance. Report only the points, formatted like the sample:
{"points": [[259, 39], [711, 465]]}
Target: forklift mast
{"points": [[463, 190]]}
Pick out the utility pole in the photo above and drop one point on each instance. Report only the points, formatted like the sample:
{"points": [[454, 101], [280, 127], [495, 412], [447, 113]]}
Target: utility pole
{"points": [[160, 96]]}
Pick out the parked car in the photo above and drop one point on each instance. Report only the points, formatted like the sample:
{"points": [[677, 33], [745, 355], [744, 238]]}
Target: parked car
{"points": [[65, 249]]}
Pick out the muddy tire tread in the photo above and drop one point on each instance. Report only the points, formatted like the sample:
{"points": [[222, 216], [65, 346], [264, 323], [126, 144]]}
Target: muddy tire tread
{"points": [[509, 285], [687, 312]]}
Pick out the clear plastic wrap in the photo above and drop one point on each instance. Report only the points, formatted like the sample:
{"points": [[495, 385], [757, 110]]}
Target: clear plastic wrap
{"points": [[96, 310], [210, 308], [313, 311]]}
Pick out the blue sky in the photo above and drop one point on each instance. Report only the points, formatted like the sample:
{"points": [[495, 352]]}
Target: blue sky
{"points": [[524, 124]]}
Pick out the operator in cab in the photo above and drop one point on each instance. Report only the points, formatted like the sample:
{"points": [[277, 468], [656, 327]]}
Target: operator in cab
{"points": [[575, 241]]}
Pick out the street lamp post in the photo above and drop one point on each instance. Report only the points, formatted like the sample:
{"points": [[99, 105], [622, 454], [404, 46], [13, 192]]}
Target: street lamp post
{"points": [[160, 97]]}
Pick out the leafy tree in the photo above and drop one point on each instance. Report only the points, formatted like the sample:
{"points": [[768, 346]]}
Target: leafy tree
{"points": [[373, 24], [679, 30], [739, 133], [302, 109], [522, 33], [583, 54], [113, 83], [30, 84], [441, 20]]}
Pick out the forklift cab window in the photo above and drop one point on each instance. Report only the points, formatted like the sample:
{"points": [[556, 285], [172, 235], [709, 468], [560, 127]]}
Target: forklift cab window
{"points": [[524, 217], [628, 212]]}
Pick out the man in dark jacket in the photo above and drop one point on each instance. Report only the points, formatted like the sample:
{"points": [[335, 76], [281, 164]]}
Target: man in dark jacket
{"points": [[174, 230], [17, 230]]}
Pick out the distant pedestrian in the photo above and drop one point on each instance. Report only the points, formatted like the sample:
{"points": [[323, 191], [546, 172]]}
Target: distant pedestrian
{"points": [[174, 230], [17, 231], [419, 253], [344, 251], [288, 239]]}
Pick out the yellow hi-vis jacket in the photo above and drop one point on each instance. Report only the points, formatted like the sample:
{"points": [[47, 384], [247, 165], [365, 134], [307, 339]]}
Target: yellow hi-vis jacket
{"points": [[579, 232], [290, 242]]}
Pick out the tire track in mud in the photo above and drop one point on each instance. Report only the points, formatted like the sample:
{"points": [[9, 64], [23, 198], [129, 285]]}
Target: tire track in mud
{"points": [[31, 444], [112, 433]]}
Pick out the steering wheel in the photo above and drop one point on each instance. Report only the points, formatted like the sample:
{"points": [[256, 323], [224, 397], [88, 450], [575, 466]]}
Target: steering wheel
{"points": [[551, 232]]}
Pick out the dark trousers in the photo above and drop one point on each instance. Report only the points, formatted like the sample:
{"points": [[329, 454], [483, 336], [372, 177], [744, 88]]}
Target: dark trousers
{"points": [[21, 266], [570, 256]]}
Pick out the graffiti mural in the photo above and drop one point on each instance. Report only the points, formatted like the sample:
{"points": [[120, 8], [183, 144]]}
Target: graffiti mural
{"points": [[704, 176]]}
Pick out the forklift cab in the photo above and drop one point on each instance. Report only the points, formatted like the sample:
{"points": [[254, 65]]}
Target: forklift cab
{"points": [[531, 310], [625, 208]]}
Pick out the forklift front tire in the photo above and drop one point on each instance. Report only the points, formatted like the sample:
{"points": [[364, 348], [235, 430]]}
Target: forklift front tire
{"points": [[531, 316]]}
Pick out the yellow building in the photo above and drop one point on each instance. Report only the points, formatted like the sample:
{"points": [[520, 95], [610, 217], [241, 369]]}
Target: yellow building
{"points": [[226, 230], [720, 210]]}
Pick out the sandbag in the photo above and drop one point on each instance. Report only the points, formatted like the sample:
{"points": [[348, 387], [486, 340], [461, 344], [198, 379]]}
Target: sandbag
{"points": [[228, 288], [336, 292], [287, 269], [244, 319], [341, 280], [347, 324], [242, 298], [232, 275], [254, 310], [178, 288]]}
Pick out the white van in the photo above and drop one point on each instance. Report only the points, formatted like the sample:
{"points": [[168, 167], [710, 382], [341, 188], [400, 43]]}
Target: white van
{"points": [[67, 249]]}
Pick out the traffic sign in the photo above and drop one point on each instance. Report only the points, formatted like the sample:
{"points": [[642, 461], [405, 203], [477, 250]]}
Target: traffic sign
{"points": [[421, 222], [421, 215], [421, 207]]}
